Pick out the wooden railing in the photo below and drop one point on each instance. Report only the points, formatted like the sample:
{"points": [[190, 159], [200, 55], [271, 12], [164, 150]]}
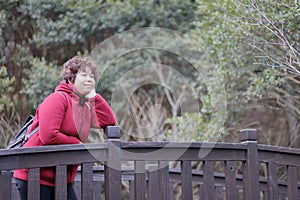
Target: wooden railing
{"points": [[160, 170]]}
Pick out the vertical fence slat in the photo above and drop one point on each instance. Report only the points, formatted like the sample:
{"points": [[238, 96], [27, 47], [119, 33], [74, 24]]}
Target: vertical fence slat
{"points": [[272, 181], [230, 180], [112, 169], [139, 180], [112, 173], [171, 190], [96, 190], [200, 191], [34, 183], [5, 185], [292, 182], [282, 196], [163, 180], [86, 181], [219, 193], [265, 195], [208, 180], [250, 166], [131, 190], [61, 182], [152, 183], [186, 180]]}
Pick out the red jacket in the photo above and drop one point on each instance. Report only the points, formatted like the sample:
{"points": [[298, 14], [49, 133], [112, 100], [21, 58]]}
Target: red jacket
{"points": [[63, 119]]}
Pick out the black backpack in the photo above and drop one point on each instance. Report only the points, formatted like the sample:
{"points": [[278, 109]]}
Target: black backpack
{"points": [[22, 136]]}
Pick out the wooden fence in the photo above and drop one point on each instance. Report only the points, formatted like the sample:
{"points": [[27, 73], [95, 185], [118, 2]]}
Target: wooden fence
{"points": [[160, 170]]}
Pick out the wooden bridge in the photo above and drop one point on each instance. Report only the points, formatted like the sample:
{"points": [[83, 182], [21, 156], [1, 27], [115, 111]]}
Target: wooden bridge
{"points": [[160, 170]]}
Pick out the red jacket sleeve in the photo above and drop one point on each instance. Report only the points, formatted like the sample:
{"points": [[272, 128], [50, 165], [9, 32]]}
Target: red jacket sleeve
{"points": [[51, 114], [103, 115]]}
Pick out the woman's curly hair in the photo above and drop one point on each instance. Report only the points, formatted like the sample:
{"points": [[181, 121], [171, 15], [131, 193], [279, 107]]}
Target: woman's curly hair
{"points": [[76, 64]]}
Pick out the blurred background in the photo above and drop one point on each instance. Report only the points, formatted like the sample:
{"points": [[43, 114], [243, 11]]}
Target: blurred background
{"points": [[252, 46]]}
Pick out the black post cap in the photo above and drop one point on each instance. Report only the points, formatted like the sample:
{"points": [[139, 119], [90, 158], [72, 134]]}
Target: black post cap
{"points": [[248, 135]]}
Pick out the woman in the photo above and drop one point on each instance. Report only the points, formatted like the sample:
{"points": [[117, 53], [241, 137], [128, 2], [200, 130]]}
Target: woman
{"points": [[65, 117]]}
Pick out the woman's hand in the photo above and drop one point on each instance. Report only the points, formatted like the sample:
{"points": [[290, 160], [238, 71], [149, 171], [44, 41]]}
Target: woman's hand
{"points": [[91, 94]]}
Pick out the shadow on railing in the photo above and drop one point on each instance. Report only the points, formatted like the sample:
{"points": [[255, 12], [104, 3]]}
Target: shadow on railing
{"points": [[243, 170]]}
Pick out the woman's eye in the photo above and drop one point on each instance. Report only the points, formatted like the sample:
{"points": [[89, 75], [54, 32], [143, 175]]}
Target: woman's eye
{"points": [[87, 75]]}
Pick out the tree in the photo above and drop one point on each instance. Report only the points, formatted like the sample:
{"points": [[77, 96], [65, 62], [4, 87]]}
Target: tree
{"points": [[37, 37], [57, 30], [256, 47]]}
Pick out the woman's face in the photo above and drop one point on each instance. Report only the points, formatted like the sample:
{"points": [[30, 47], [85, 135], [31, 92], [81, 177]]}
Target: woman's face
{"points": [[84, 81]]}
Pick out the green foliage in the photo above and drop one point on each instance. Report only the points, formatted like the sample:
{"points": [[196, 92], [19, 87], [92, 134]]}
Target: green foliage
{"points": [[5, 90], [254, 44], [9, 127], [57, 30], [83, 24], [250, 39], [172, 14], [247, 47], [263, 82], [195, 127], [43, 78], [207, 123]]}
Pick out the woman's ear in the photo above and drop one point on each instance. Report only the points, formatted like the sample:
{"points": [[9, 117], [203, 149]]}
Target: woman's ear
{"points": [[71, 79]]}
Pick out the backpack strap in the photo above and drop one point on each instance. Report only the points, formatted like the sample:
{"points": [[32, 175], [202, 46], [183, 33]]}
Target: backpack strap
{"points": [[62, 93], [27, 136]]}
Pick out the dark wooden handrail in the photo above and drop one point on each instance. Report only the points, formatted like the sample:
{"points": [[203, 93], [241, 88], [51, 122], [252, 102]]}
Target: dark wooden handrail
{"points": [[150, 176]]}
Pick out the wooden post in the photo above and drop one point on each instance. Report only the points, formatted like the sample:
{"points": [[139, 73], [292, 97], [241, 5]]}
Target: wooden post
{"points": [[34, 183], [250, 167], [61, 182], [112, 169], [186, 179], [163, 180], [292, 188], [272, 181], [230, 180], [208, 180], [139, 180], [153, 191], [86, 181], [5, 185]]}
